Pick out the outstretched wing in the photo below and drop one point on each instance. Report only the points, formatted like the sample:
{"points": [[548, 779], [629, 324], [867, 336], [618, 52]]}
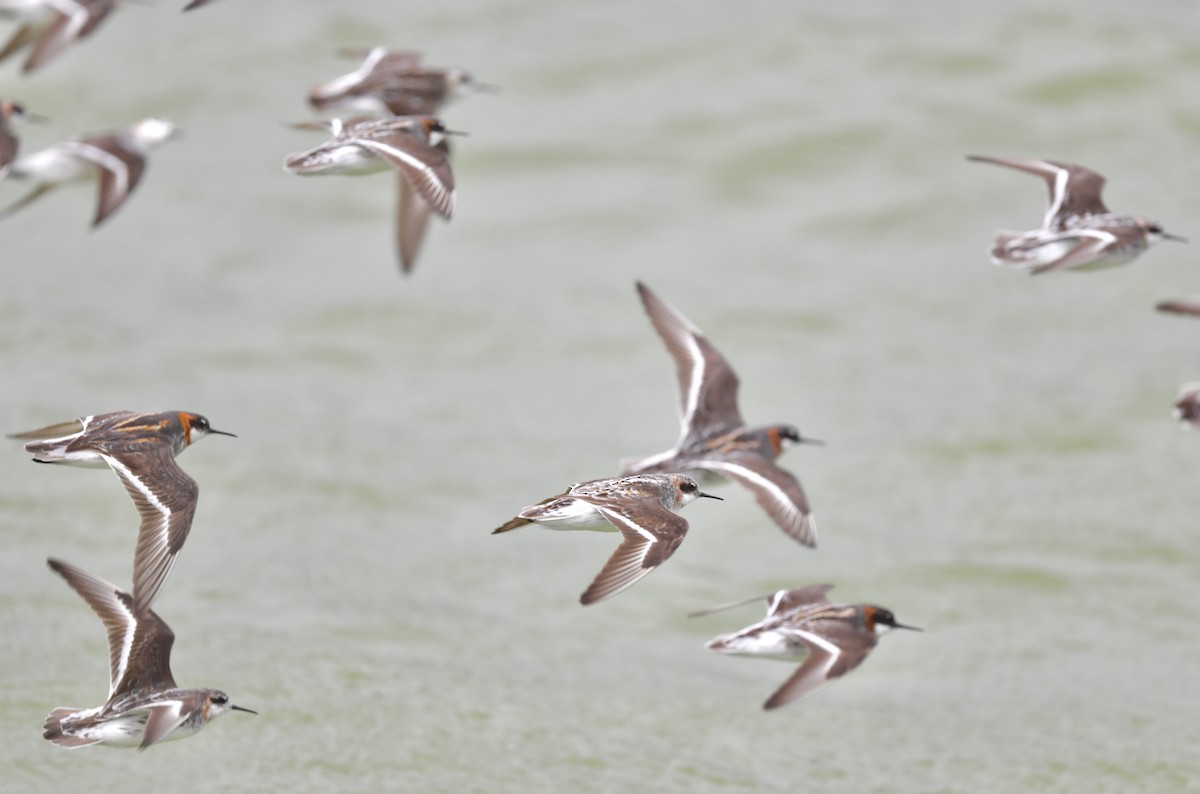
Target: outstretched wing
{"points": [[165, 497], [776, 490], [1074, 190], [648, 537], [708, 385]]}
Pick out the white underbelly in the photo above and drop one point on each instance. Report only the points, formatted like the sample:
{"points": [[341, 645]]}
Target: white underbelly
{"points": [[52, 165]]}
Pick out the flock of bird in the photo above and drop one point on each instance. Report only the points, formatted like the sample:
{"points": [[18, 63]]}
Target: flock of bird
{"points": [[144, 704], [402, 131], [407, 139], [1079, 233]]}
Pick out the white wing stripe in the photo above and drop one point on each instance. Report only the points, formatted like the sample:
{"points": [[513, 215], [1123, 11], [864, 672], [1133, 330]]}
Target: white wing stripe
{"points": [[108, 161], [822, 643], [443, 199], [123, 471], [749, 474], [621, 520], [1060, 193], [693, 395], [126, 648]]}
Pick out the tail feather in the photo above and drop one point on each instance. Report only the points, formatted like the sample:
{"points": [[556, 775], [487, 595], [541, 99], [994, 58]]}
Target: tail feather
{"points": [[52, 431], [54, 731], [513, 524]]}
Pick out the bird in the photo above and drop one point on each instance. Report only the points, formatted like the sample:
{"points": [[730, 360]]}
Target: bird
{"points": [[1189, 305], [388, 84], [715, 443], [144, 705], [1187, 401], [1078, 232], [11, 111], [115, 159], [48, 27], [425, 182], [1187, 404], [642, 508], [828, 639], [141, 449]]}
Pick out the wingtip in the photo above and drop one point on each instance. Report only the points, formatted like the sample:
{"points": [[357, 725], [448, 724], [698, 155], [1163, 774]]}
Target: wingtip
{"points": [[598, 591], [805, 532], [699, 613], [611, 581]]}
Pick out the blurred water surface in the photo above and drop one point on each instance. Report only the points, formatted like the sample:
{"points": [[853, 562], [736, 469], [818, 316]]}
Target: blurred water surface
{"points": [[1002, 469]]}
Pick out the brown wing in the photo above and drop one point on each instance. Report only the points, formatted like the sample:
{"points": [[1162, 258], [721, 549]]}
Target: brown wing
{"points": [[708, 386], [120, 172], [427, 167], [1074, 190], [65, 29], [139, 643], [809, 677], [1180, 306], [165, 497], [1082, 193], [8, 149], [776, 490], [789, 600], [23, 36], [648, 537], [165, 717], [1088, 249], [837, 649], [410, 93], [412, 219]]}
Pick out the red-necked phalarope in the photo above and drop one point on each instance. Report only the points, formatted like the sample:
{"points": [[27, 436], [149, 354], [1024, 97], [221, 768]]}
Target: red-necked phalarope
{"points": [[115, 159], [11, 111], [642, 508], [48, 27], [393, 84], [404, 143], [144, 705], [1078, 232], [828, 639], [715, 442], [141, 449]]}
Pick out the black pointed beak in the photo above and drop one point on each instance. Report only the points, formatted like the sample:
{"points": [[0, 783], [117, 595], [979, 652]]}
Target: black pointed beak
{"points": [[902, 626], [807, 440], [709, 496], [221, 433], [1174, 237], [240, 708]]}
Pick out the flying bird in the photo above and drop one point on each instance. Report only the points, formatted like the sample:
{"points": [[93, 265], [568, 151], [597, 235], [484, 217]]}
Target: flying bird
{"points": [[144, 704], [413, 146], [1078, 232], [115, 160], [829, 640], [715, 443]]}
